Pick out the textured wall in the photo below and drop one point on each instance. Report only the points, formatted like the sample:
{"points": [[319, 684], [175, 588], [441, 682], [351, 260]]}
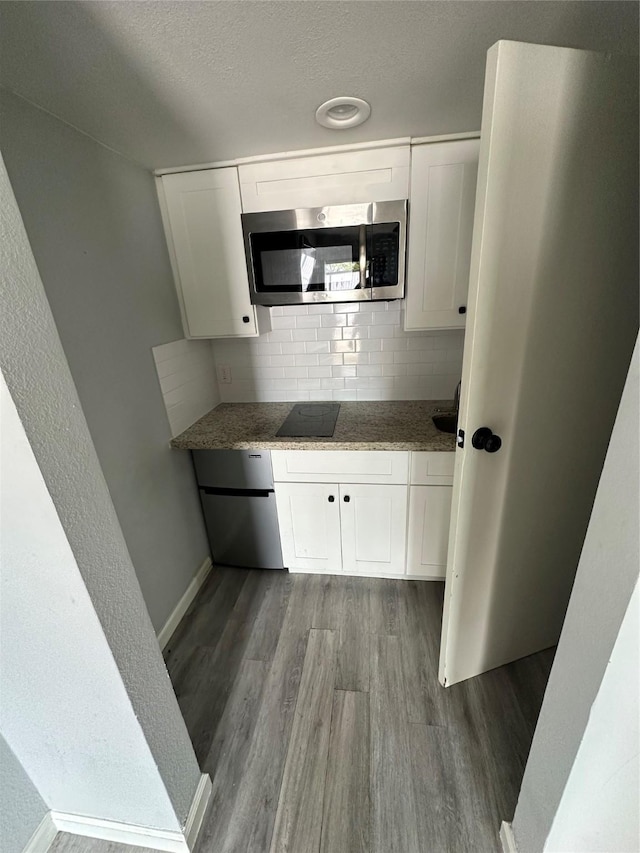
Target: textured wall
{"points": [[346, 351], [607, 574], [94, 226], [38, 377], [64, 708], [600, 806], [21, 806]]}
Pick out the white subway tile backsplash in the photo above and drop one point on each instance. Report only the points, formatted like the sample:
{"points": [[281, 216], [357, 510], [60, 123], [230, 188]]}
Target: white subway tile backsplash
{"points": [[355, 332], [319, 372], [280, 335], [186, 372], [299, 372], [329, 334], [308, 321], [303, 334], [282, 361], [331, 384], [333, 320], [307, 359], [344, 370], [293, 348], [364, 318], [380, 357], [309, 384], [368, 346], [356, 357], [343, 346], [318, 347], [381, 332], [344, 395], [332, 358], [280, 323], [370, 370], [394, 369], [338, 352]]}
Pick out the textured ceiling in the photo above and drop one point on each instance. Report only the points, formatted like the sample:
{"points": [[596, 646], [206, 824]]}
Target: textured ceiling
{"points": [[176, 83]]}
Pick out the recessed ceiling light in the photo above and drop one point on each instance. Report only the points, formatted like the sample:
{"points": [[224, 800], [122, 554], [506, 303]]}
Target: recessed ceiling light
{"points": [[340, 113]]}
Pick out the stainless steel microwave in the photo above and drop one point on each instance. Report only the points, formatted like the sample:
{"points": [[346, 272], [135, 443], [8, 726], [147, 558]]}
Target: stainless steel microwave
{"points": [[326, 254]]}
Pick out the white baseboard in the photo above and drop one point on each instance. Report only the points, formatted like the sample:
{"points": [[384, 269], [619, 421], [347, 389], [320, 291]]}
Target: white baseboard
{"points": [[43, 837], [198, 810], [507, 839], [122, 833], [183, 605], [139, 836]]}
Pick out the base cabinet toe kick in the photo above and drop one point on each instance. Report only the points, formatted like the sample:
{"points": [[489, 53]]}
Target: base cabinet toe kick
{"points": [[368, 513]]}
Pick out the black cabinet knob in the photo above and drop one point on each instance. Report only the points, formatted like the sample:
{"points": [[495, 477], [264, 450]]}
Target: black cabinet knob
{"points": [[331, 499], [484, 439], [245, 319], [346, 499], [462, 309]]}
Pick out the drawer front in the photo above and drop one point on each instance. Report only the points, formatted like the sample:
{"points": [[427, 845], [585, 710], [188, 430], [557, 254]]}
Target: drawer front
{"points": [[429, 468], [340, 466]]}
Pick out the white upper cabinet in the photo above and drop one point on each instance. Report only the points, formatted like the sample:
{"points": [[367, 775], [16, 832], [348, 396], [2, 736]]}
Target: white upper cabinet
{"points": [[351, 177], [201, 212], [442, 200]]}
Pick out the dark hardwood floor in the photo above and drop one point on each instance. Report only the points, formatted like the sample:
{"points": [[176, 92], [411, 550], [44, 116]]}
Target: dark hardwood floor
{"points": [[313, 702]]}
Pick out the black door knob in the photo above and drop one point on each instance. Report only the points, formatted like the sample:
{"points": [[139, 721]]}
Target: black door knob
{"points": [[494, 443], [245, 319], [484, 439], [331, 499], [347, 499], [462, 309]]}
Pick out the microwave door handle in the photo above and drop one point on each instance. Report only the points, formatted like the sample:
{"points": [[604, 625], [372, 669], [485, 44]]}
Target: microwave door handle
{"points": [[363, 257]]}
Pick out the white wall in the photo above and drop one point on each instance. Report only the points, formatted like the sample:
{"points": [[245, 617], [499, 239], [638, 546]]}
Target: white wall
{"points": [[605, 580], [345, 351], [187, 377], [64, 707], [94, 225], [21, 806], [78, 681], [600, 806]]}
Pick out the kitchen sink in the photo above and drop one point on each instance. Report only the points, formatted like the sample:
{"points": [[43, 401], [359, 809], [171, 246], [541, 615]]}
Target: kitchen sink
{"points": [[446, 422]]}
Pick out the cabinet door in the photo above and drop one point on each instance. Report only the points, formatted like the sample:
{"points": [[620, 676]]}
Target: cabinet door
{"points": [[374, 529], [442, 198], [204, 231], [310, 526], [429, 514], [340, 177]]}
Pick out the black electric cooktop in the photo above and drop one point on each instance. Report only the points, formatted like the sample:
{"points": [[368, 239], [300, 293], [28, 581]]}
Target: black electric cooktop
{"points": [[310, 420]]}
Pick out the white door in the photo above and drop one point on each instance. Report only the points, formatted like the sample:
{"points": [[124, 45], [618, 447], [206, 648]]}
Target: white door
{"points": [[552, 317], [205, 238], [428, 536], [309, 519], [443, 191], [374, 529]]}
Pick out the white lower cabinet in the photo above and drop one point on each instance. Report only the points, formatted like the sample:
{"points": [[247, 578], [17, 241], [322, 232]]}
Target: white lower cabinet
{"points": [[428, 534], [309, 518], [375, 529], [331, 528], [373, 523]]}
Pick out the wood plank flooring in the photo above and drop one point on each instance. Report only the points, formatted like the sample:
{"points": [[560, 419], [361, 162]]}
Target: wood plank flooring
{"points": [[313, 702]]}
